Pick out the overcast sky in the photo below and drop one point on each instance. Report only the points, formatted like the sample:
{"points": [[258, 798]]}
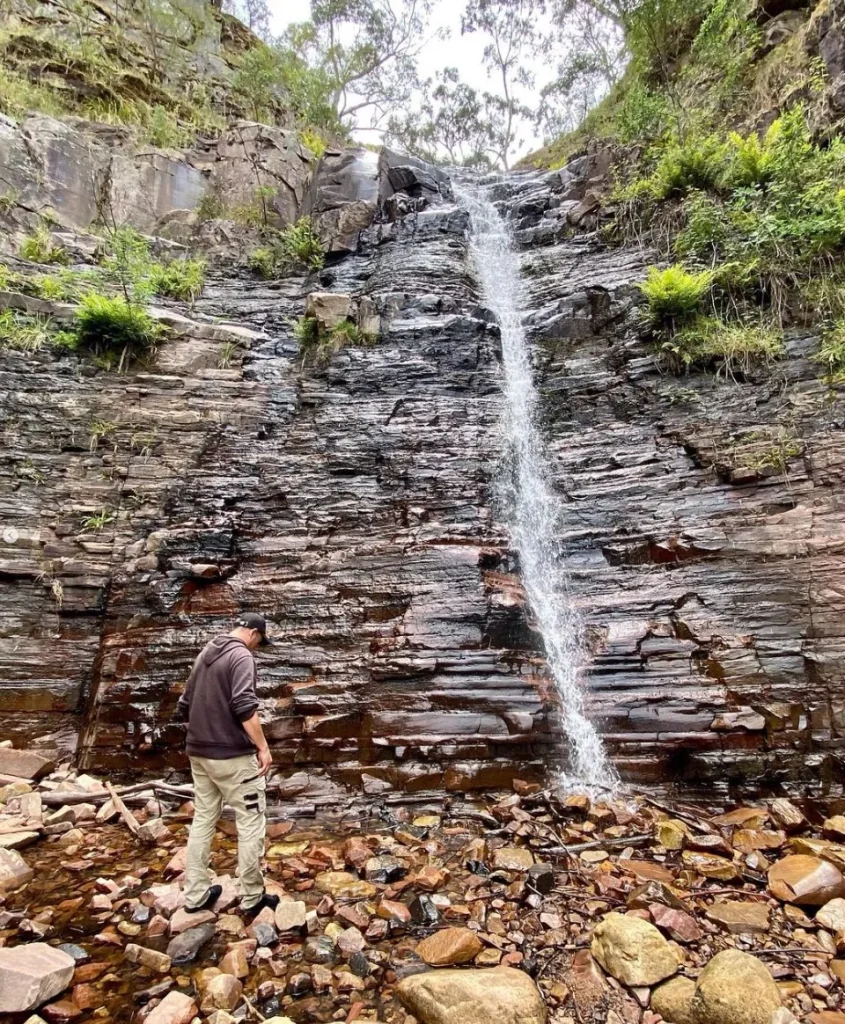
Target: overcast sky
{"points": [[462, 52]]}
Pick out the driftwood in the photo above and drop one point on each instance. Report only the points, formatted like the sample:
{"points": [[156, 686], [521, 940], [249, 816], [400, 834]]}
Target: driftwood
{"points": [[59, 798], [600, 844], [125, 813]]}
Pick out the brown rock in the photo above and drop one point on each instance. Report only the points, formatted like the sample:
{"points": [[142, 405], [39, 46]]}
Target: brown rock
{"points": [[147, 958], [235, 963], [787, 815], [223, 992], [175, 1008], [632, 950], [834, 828], [671, 833], [646, 870], [26, 764], [808, 881], [512, 858], [450, 946], [740, 918], [743, 817], [673, 1001], [710, 866], [734, 988], [832, 915], [499, 994], [827, 1017], [356, 852], [748, 840], [394, 912], [342, 885]]}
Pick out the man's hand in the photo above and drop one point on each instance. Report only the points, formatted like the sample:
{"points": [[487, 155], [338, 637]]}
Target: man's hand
{"points": [[256, 734], [265, 760]]}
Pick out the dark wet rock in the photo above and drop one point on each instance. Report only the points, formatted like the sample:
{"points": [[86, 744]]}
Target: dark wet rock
{"points": [[424, 911], [264, 934], [541, 878], [385, 869], [183, 948], [359, 965]]}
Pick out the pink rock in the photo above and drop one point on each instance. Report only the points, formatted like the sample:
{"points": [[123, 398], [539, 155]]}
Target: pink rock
{"points": [[31, 974], [175, 1008], [681, 926], [181, 920], [176, 865]]}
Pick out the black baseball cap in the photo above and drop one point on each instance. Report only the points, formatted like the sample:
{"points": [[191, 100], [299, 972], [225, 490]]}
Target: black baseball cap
{"points": [[251, 620]]}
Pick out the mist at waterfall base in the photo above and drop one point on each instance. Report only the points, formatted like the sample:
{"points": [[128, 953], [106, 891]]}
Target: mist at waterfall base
{"points": [[531, 509]]}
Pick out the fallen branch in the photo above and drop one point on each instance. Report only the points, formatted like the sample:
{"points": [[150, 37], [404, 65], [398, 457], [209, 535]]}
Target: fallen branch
{"points": [[59, 798], [125, 813], [600, 844]]}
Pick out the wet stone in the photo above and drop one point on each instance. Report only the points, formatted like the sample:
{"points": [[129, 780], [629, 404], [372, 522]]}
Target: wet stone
{"points": [[78, 954], [424, 910], [359, 965], [384, 869], [184, 948]]}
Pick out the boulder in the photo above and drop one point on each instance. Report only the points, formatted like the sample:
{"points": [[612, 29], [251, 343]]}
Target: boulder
{"points": [[834, 828], [740, 918], [805, 880], [175, 1008], [633, 951], [499, 994], [734, 988], [14, 871], [25, 764], [450, 946], [31, 974], [673, 1001], [328, 309], [787, 815]]}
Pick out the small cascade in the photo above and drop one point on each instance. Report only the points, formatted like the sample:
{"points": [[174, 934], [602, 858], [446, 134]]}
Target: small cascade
{"points": [[531, 509]]}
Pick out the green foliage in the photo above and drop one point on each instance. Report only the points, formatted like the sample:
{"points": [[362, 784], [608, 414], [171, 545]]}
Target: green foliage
{"points": [[694, 163], [227, 355], [262, 261], [22, 333], [114, 330], [831, 355], [8, 200], [178, 279], [307, 331], [164, 130], [258, 82], [38, 248], [733, 346], [99, 431], [64, 285], [313, 140], [298, 247], [100, 520], [129, 265], [658, 32], [674, 295]]}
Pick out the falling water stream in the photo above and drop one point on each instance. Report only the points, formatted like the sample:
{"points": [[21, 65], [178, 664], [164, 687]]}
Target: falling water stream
{"points": [[531, 508]]}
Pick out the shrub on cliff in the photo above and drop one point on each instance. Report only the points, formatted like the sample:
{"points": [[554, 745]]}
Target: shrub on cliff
{"points": [[39, 248], [178, 279], [674, 295], [729, 346], [114, 330], [297, 247]]}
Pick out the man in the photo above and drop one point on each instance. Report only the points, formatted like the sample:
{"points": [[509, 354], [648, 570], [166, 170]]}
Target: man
{"points": [[229, 761]]}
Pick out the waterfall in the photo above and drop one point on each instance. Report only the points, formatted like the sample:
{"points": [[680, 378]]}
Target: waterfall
{"points": [[531, 509]]}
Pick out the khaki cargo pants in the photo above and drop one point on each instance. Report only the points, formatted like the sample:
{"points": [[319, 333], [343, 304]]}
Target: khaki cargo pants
{"points": [[233, 781]]}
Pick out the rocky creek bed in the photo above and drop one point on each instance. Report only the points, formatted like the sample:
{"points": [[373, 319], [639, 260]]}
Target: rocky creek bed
{"points": [[525, 906]]}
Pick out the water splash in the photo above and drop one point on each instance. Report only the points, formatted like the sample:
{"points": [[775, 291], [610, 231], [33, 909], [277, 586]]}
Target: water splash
{"points": [[531, 507]]}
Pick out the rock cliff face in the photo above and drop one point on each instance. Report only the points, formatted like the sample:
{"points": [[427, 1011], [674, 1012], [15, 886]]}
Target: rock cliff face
{"points": [[352, 501]]}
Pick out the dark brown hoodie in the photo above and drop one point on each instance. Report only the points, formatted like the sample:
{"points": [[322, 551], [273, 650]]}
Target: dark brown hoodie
{"points": [[219, 696]]}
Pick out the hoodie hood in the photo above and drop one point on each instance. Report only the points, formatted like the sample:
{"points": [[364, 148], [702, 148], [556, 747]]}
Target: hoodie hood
{"points": [[219, 646]]}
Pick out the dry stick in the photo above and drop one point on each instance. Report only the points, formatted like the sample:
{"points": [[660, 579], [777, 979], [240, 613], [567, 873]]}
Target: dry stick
{"points": [[125, 813], [600, 843], [692, 819], [58, 798], [254, 1010]]}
